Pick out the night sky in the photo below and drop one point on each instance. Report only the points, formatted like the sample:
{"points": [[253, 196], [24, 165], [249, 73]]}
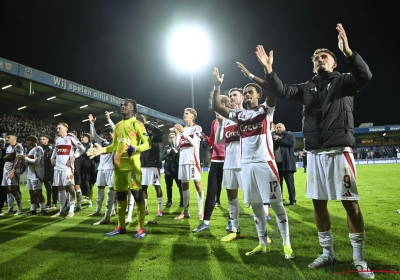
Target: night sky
{"points": [[119, 47]]}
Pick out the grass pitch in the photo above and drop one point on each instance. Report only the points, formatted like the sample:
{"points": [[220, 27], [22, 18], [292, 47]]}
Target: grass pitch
{"points": [[46, 248]]}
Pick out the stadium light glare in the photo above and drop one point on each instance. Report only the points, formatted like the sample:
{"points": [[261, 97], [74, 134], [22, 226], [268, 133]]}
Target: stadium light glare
{"points": [[189, 49], [50, 98], [83, 106], [20, 108], [6, 87], [85, 120], [56, 115]]}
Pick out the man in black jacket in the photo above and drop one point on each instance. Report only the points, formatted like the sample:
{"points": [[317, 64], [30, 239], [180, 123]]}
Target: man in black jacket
{"points": [[3, 192], [171, 164], [328, 128], [151, 163], [48, 172], [284, 142]]}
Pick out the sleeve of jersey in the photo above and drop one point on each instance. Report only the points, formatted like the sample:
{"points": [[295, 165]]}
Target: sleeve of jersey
{"points": [[141, 131], [19, 150], [111, 124], [80, 149], [211, 139], [268, 110], [97, 138], [219, 135]]}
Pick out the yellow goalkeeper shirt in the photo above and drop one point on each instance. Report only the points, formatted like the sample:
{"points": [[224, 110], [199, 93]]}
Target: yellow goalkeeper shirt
{"points": [[128, 132]]}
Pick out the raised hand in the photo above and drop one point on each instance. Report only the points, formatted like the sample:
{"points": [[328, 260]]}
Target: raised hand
{"points": [[107, 115], [265, 60], [97, 150], [179, 128], [91, 119], [216, 78], [144, 118], [244, 70], [343, 42]]}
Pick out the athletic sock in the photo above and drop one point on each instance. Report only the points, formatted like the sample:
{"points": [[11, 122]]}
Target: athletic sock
{"points": [[266, 209], [326, 242], [282, 221], [121, 213], [72, 202], [10, 201], [145, 204], [109, 204], [357, 241], [259, 220], [79, 198], [200, 196], [186, 198], [141, 213], [234, 213], [99, 200], [63, 199], [18, 200], [43, 206], [90, 195], [33, 207], [159, 201]]}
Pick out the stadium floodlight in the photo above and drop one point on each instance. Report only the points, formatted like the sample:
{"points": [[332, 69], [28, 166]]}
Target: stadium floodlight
{"points": [[6, 87], [56, 115], [20, 108], [85, 120], [50, 98], [83, 106], [189, 49]]}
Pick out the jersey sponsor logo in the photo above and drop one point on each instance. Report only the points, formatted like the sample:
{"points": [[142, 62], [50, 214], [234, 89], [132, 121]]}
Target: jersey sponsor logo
{"points": [[63, 150], [232, 133], [250, 127], [185, 143], [124, 140]]}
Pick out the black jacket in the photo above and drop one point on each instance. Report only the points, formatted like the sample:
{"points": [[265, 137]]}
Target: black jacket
{"points": [[171, 160], [286, 142], [48, 168], [327, 103], [152, 157]]}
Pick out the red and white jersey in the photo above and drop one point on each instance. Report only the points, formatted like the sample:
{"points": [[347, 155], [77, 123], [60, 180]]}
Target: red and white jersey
{"points": [[231, 134], [255, 132], [12, 154], [189, 145], [35, 161], [65, 148]]}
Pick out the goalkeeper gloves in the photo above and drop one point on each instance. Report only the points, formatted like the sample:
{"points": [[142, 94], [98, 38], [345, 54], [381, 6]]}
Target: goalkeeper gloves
{"points": [[130, 151], [97, 150]]}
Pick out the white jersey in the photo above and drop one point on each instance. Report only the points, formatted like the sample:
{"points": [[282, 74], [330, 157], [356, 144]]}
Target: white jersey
{"points": [[189, 145], [35, 161], [12, 154], [66, 147], [230, 132], [106, 160], [255, 132]]}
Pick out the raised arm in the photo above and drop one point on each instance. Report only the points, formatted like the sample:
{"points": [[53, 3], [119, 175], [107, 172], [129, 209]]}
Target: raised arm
{"points": [[216, 102], [109, 120], [270, 99], [97, 138]]}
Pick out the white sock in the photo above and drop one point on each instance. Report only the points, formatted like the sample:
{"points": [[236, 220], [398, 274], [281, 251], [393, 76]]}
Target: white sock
{"points": [[79, 198], [33, 207], [42, 206], [131, 200], [10, 201], [200, 196], [159, 200], [63, 199], [19, 201], [357, 241], [99, 200], [282, 221], [234, 214], [186, 198], [145, 203], [326, 242], [109, 204], [259, 220], [266, 210], [206, 222]]}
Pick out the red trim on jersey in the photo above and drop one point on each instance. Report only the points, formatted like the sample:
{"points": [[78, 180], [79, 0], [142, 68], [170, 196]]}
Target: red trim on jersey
{"points": [[197, 163], [185, 143], [273, 168], [271, 153], [347, 156], [158, 169]]}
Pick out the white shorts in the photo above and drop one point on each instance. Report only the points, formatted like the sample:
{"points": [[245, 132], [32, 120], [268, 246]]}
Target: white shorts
{"points": [[188, 172], [63, 178], [105, 177], [331, 174], [14, 181], [260, 182], [150, 176], [34, 184], [232, 179]]}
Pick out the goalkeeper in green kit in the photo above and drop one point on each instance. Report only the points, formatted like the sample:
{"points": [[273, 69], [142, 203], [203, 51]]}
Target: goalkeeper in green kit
{"points": [[130, 139]]}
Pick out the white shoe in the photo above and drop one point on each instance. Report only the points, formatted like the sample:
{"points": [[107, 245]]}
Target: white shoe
{"points": [[19, 212], [9, 212], [102, 222], [70, 215], [363, 270], [57, 215], [323, 260], [127, 220]]}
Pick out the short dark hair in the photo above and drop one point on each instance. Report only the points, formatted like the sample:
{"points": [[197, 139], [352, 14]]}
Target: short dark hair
{"points": [[86, 135], [73, 132], [44, 135], [134, 104], [11, 133], [236, 89], [257, 87], [32, 138], [108, 129], [317, 51]]}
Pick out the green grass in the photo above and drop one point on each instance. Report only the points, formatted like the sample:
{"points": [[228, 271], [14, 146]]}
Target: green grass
{"points": [[46, 248]]}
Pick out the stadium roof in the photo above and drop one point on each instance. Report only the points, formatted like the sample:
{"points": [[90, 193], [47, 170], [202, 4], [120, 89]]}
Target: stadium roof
{"points": [[35, 94]]}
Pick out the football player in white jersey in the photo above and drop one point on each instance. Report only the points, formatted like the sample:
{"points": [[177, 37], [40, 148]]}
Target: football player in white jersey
{"points": [[104, 171], [188, 141], [11, 173], [67, 148], [260, 179], [35, 161]]}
